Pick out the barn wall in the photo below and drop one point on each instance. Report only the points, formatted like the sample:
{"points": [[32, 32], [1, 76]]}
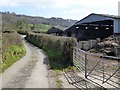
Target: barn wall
{"points": [[116, 26], [93, 18]]}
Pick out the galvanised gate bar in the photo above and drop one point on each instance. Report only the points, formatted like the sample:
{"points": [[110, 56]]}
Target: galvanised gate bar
{"points": [[103, 70]]}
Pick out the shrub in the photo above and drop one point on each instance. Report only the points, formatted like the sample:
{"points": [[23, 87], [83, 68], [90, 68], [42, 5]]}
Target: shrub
{"points": [[59, 49], [9, 39], [23, 32]]}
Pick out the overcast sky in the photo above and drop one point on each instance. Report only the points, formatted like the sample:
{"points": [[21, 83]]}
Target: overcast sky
{"points": [[67, 9]]}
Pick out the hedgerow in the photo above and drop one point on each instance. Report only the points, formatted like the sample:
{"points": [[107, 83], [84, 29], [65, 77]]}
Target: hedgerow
{"points": [[12, 50], [59, 49]]}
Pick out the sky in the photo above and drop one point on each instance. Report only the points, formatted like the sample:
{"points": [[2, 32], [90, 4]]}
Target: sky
{"points": [[67, 9]]}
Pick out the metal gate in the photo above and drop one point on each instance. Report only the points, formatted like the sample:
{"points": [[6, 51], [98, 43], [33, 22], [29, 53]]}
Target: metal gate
{"points": [[102, 69]]}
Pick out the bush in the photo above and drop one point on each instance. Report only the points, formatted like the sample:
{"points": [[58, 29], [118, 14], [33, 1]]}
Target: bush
{"points": [[9, 39], [59, 49], [23, 32]]}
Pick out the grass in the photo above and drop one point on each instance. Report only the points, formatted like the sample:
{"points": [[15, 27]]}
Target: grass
{"points": [[57, 73], [12, 50], [13, 54], [55, 57], [70, 68], [59, 83], [42, 27]]}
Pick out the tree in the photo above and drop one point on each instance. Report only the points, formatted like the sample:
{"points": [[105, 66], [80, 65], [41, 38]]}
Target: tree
{"points": [[21, 24]]}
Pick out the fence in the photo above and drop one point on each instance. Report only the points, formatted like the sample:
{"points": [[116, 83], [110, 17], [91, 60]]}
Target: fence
{"points": [[103, 69]]}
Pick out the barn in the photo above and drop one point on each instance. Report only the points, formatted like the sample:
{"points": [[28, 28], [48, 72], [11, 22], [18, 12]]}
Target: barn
{"points": [[55, 31], [95, 26]]}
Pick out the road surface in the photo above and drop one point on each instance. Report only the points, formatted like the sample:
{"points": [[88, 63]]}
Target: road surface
{"points": [[28, 72]]}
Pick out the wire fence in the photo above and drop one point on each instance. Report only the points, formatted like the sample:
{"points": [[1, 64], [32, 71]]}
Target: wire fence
{"points": [[105, 69]]}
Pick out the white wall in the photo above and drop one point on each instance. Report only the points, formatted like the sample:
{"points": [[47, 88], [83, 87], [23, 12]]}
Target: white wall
{"points": [[119, 8], [117, 26]]}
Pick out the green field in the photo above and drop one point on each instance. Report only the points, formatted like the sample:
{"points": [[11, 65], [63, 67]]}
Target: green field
{"points": [[27, 27], [42, 27]]}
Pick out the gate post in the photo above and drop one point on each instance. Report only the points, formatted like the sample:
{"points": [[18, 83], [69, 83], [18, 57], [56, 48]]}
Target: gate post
{"points": [[117, 52], [85, 65], [118, 74]]}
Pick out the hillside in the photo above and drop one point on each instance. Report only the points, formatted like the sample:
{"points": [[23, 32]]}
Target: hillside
{"points": [[11, 19]]}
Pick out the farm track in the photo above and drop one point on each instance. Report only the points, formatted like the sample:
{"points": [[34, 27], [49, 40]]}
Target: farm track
{"points": [[28, 72]]}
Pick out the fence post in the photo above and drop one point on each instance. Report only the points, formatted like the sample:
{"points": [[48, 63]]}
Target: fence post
{"points": [[74, 57], [103, 62], [85, 65], [117, 52], [118, 70]]}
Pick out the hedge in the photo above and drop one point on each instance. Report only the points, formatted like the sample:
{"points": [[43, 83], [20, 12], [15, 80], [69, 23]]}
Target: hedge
{"points": [[59, 49]]}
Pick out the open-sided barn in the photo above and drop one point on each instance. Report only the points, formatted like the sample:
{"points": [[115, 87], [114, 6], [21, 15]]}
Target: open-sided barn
{"points": [[95, 26]]}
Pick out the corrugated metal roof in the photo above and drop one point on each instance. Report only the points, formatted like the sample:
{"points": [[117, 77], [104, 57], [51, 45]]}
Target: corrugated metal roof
{"points": [[107, 15], [103, 15]]}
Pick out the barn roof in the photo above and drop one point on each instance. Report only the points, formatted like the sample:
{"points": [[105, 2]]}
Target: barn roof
{"points": [[107, 15], [54, 30], [100, 16]]}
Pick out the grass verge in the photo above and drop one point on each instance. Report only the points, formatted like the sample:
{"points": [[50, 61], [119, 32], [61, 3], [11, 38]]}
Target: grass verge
{"points": [[12, 50], [11, 55]]}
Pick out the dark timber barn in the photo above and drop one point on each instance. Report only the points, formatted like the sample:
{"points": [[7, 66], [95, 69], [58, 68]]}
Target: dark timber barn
{"points": [[94, 26], [55, 31]]}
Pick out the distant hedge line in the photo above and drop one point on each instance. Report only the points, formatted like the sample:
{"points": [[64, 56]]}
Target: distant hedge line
{"points": [[59, 49]]}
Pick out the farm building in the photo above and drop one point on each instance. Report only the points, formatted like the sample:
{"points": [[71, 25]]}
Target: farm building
{"points": [[94, 26], [55, 31]]}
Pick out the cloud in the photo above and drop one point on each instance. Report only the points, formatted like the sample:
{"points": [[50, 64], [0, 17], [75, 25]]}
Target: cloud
{"points": [[65, 4], [61, 3], [6, 3], [66, 8]]}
